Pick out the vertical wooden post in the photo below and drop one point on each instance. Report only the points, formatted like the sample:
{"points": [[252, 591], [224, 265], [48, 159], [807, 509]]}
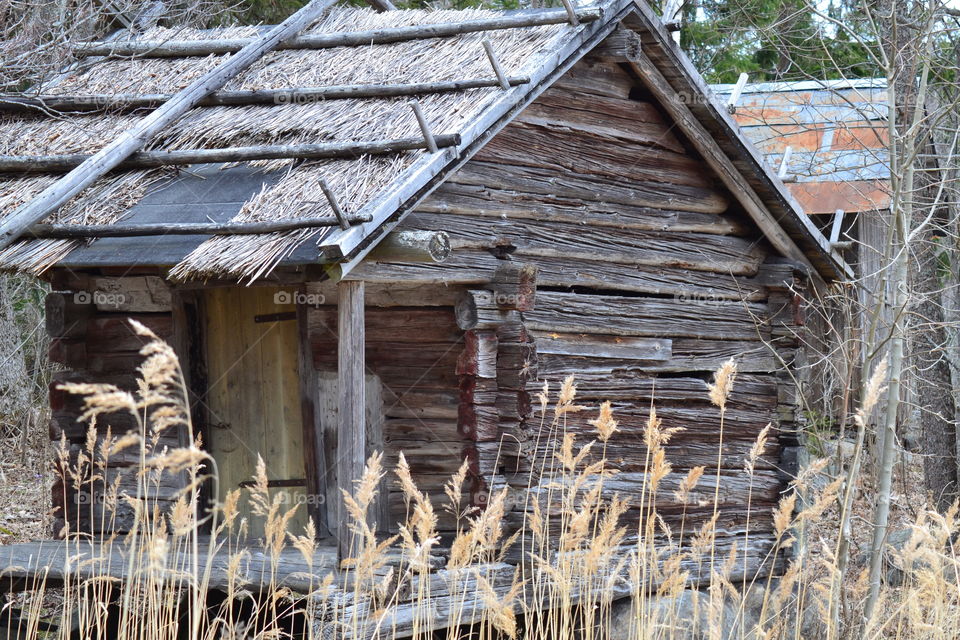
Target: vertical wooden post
{"points": [[352, 440], [314, 461]]}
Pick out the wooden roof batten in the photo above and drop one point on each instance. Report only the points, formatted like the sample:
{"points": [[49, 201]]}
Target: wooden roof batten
{"points": [[56, 104], [139, 135], [392, 35], [154, 159]]}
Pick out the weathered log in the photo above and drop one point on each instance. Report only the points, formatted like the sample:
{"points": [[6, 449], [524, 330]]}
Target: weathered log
{"points": [[66, 313], [416, 356], [488, 202], [479, 355], [421, 429], [601, 346], [633, 384], [734, 488], [417, 402], [478, 309], [177, 49], [421, 325], [133, 139], [133, 294], [155, 159], [614, 189], [633, 316], [115, 334], [524, 239], [689, 355], [597, 78], [394, 294], [65, 424], [515, 286], [559, 150], [412, 246], [620, 118], [630, 456], [114, 103], [70, 353], [478, 422], [472, 267], [426, 457], [181, 228]]}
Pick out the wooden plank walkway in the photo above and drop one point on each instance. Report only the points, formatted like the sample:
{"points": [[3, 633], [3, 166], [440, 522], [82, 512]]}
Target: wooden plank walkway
{"points": [[431, 601], [51, 562]]}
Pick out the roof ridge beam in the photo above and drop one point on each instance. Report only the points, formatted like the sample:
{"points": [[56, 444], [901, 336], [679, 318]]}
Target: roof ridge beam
{"points": [[185, 48]]}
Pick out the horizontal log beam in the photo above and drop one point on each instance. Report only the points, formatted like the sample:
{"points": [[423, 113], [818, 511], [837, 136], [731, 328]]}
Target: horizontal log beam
{"points": [[412, 246], [126, 102], [181, 48], [635, 316], [155, 159], [79, 231]]}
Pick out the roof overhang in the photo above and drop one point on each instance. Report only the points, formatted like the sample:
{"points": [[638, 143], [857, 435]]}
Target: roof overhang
{"points": [[765, 197], [659, 63], [684, 93]]}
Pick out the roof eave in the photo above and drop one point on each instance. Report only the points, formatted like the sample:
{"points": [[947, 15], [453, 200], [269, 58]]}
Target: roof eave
{"points": [[786, 213], [348, 248]]}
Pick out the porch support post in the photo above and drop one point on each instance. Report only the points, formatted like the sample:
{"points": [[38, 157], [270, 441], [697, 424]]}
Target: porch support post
{"points": [[314, 458], [351, 430]]}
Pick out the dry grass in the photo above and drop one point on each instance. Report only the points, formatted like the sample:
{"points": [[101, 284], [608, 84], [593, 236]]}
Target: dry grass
{"points": [[580, 553]]}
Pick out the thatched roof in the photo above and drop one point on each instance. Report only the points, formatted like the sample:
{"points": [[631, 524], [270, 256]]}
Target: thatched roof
{"points": [[381, 187], [293, 190]]}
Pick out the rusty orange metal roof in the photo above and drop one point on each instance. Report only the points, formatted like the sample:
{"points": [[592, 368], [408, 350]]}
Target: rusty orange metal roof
{"points": [[837, 134]]}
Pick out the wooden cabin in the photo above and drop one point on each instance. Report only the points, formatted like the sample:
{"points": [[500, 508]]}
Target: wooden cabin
{"points": [[340, 272]]}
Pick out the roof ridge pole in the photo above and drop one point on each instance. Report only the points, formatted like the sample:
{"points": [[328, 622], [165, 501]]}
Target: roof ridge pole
{"points": [[133, 139], [495, 63]]}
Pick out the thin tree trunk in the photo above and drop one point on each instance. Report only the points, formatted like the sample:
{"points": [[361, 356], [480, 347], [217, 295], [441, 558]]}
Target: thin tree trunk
{"points": [[905, 116], [933, 380]]}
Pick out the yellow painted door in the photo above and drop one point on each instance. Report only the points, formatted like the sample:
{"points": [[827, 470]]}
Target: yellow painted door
{"points": [[254, 394]]}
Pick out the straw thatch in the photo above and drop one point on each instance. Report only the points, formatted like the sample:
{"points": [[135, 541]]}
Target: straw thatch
{"points": [[356, 183]]}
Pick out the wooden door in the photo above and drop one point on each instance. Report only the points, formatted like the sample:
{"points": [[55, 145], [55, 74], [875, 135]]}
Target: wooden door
{"points": [[253, 394]]}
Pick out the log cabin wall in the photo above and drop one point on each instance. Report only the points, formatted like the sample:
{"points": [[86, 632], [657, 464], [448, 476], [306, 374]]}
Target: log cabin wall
{"points": [[87, 318], [411, 356], [649, 279]]}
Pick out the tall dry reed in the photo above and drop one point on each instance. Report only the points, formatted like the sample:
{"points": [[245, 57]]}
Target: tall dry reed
{"points": [[588, 561]]}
